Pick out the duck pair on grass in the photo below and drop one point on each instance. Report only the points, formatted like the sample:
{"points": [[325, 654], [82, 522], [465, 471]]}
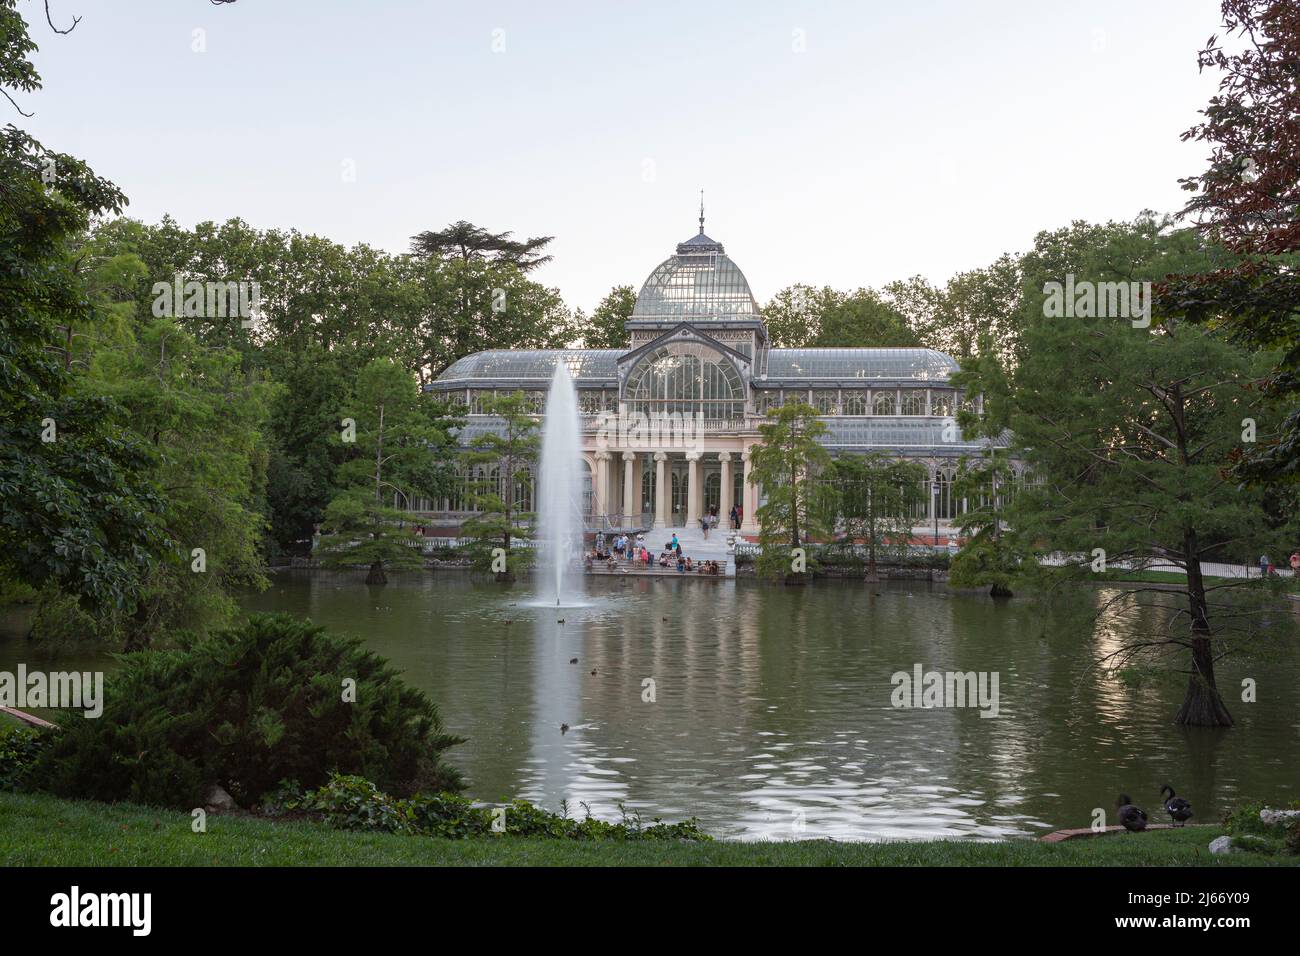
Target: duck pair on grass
{"points": [[1135, 818]]}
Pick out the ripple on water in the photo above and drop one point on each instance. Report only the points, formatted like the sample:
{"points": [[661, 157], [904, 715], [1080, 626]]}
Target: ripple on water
{"points": [[758, 691]]}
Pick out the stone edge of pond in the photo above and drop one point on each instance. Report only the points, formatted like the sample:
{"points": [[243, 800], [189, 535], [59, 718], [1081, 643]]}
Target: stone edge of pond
{"points": [[1059, 836]]}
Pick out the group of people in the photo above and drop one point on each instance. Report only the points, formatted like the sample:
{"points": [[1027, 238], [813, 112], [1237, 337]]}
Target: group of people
{"points": [[710, 521], [736, 515], [634, 551]]}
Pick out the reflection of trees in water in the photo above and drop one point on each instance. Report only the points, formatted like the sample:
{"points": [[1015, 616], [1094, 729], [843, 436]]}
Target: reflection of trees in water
{"points": [[822, 656]]}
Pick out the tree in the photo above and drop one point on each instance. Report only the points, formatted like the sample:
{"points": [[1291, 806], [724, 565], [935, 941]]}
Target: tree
{"points": [[974, 313], [875, 498], [786, 463], [467, 242], [863, 318], [271, 700], [469, 306], [74, 509], [501, 462], [1249, 199], [203, 419], [1128, 430], [605, 328], [990, 556], [801, 316], [403, 442], [1249, 196]]}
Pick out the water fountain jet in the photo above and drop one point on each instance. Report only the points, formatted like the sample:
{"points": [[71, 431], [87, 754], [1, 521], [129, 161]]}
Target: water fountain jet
{"points": [[560, 522]]}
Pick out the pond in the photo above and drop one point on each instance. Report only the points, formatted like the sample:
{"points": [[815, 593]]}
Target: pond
{"points": [[770, 711]]}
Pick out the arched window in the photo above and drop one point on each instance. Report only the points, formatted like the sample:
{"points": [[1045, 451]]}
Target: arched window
{"points": [[685, 378], [826, 401], [883, 403], [855, 403], [913, 402], [944, 504]]}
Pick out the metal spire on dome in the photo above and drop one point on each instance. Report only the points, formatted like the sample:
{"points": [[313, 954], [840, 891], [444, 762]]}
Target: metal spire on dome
{"points": [[701, 212]]}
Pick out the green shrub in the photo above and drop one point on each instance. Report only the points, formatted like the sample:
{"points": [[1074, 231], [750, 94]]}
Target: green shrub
{"points": [[1251, 833], [247, 708], [19, 748], [15, 592], [59, 620], [354, 803]]}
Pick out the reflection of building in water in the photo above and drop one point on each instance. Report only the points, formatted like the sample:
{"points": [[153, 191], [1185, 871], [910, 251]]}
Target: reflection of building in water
{"points": [[703, 658], [668, 423]]}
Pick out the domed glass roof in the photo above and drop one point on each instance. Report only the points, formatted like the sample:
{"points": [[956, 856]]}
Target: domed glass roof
{"points": [[697, 284]]}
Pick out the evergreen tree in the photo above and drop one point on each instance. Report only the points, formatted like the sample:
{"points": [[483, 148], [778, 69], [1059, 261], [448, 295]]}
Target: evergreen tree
{"points": [[402, 443], [501, 463], [786, 463], [875, 499]]}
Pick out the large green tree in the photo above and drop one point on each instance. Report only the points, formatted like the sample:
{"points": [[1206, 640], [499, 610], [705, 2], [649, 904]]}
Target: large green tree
{"points": [[990, 555], [1248, 198], [467, 242], [203, 417], [501, 462], [1128, 429], [787, 462], [75, 509], [875, 498], [604, 328], [402, 446], [801, 316]]}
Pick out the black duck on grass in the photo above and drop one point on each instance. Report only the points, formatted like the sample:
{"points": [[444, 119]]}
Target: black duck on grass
{"points": [[1177, 808], [1133, 818]]}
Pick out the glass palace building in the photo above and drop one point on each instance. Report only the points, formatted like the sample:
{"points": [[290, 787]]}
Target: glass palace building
{"points": [[669, 422]]}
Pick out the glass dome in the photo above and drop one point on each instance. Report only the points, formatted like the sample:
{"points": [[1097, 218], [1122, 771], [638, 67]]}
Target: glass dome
{"points": [[698, 283]]}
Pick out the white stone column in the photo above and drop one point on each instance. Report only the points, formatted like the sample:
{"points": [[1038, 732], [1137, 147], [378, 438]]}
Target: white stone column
{"points": [[600, 485], [630, 504], [748, 523], [693, 489], [724, 491], [638, 471], [661, 490]]}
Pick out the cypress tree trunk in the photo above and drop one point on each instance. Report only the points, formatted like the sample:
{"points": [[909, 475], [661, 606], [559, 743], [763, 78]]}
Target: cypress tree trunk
{"points": [[1202, 705], [376, 575], [873, 575]]}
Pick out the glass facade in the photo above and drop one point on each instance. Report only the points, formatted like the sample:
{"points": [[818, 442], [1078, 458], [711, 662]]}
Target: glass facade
{"points": [[686, 379], [903, 365]]}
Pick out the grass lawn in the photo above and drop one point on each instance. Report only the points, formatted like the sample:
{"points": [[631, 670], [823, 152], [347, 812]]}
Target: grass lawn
{"points": [[46, 831]]}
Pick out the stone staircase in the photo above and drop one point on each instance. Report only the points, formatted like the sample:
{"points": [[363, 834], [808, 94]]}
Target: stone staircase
{"points": [[694, 546]]}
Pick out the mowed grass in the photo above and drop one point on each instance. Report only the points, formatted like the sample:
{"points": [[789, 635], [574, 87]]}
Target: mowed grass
{"points": [[37, 830]]}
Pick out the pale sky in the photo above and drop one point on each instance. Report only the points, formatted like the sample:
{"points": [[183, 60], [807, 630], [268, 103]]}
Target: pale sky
{"points": [[838, 143]]}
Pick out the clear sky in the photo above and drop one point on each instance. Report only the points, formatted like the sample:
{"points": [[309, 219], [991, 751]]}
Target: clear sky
{"points": [[840, 143]]}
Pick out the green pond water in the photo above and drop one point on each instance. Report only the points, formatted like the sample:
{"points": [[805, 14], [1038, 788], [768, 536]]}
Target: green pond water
{"points": [[772, 715]]}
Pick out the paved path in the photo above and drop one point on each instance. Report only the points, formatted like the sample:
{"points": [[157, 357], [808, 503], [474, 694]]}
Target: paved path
{"points": [[1208, 568]]}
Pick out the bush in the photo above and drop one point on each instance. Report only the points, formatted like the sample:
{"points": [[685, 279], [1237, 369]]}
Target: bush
{"points": [[247, 708], [354, 803], [59, 621], [19, 748], [1251, 833]]}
